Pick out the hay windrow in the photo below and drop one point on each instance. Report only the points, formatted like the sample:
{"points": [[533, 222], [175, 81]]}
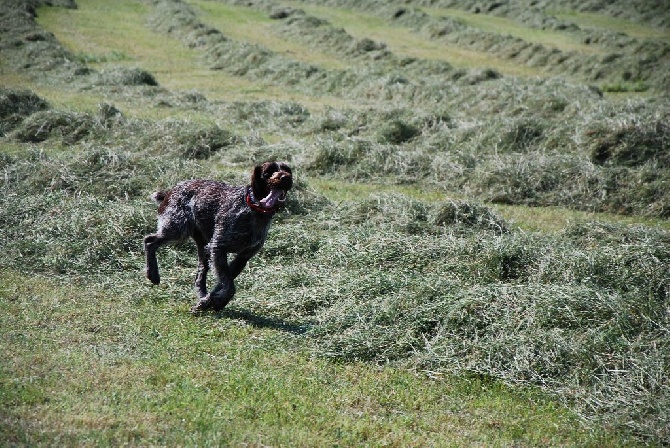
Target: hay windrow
{"points": [[367, 78], [30, 49], [631, 144], [627, 63], [123, 76], [15, 105]]}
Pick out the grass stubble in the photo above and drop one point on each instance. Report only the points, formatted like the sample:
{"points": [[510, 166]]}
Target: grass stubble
{"points": [[428, 299]]}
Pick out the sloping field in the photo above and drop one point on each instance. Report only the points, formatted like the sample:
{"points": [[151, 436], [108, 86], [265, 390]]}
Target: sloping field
{"points": [[476, 251]]}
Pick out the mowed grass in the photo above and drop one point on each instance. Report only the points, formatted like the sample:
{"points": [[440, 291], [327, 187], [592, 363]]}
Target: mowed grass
{"points": [[557, 219], [614, 24], [112, 361], [127, 364], [534, 219], [504, 26], [405, 42], [97, 31], [85, 100], [249, 25]]}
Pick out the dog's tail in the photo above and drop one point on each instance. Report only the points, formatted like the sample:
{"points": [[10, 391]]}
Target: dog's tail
{"points": [[158, 196]]}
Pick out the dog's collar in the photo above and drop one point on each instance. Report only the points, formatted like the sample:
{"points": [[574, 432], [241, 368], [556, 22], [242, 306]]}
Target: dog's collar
{"points": [[257, 207]]}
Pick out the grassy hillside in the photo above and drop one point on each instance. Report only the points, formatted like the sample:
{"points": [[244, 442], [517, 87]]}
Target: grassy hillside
{"points": [[476, 251]]}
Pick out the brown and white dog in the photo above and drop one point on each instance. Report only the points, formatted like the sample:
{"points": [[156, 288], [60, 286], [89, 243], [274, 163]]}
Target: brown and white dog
{"points": [[221, 219]]}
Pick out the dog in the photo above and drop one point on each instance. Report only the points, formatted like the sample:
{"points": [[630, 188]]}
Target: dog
{"points": [[221, 219]]}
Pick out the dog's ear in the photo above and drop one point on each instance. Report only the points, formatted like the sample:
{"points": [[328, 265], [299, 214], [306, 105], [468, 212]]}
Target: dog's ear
{"points": [[258, 184], [256, 174]]}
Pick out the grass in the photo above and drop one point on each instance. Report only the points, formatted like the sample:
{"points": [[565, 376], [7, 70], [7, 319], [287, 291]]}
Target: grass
{"points": [[145, 372], [612, 24], [245, 24], [88, 35], [406, 43], [92, 30], [442, 275], [624, 87], [557, 219], [339, 191], [533, 219], [505, 26]]}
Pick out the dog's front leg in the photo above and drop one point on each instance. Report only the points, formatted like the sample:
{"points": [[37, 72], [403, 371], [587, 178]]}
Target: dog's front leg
{"points": [[223, 291], [240, 261]]}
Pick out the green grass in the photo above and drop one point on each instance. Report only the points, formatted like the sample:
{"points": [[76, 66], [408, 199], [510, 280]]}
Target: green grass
{"points": [[556, 219], [245, 24], [89, 32], [114, 56], [97, 29], [613, 24], [504, 26], [406, 43], [624, 87], [534, 219], [127, 364], [401, 300]]}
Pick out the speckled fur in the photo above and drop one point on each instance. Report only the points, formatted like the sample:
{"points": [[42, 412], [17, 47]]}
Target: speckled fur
{"points": [[217, 217]]}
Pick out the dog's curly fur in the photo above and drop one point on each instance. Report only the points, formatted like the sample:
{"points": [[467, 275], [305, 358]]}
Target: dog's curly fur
{"points": [[221, 219]]}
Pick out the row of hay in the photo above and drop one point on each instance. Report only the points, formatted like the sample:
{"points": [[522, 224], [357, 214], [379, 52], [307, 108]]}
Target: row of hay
{"points": [[624, 59], [542, 15], [297, 25], [28, 48], [369, 77], [29, 119], [32, 51], [534, 14], [618, 168], [657, 14]]}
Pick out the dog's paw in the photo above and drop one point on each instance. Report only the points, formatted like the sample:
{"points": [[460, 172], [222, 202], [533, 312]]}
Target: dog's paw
{"points": [[203, 305], [153, 276]]}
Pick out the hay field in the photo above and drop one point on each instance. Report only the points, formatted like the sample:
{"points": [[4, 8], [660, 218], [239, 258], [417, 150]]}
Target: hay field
{"points": [[476, 252]]}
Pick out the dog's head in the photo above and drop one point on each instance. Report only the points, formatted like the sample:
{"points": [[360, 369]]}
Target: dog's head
{"points": [[270, 182]]}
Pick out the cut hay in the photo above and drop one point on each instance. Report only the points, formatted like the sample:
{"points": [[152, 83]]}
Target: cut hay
{"points": [[15, 105]]}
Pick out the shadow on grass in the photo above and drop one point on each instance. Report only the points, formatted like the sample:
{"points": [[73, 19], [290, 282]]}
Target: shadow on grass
{"points": [[262, 321]]}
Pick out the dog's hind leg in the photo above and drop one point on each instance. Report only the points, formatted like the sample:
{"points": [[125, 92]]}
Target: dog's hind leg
{"points": [[165, 234], [151, 245]]}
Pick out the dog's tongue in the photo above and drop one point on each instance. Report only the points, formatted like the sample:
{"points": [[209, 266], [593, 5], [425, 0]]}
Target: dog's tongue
{"points": [[270, 200]]}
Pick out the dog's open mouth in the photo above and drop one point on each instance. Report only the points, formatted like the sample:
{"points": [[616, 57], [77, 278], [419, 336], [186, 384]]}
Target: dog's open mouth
{"points": [[277, 195]]}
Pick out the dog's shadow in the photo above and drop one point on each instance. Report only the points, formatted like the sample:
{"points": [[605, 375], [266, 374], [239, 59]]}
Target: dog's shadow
{"points": [[258, 321]]}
